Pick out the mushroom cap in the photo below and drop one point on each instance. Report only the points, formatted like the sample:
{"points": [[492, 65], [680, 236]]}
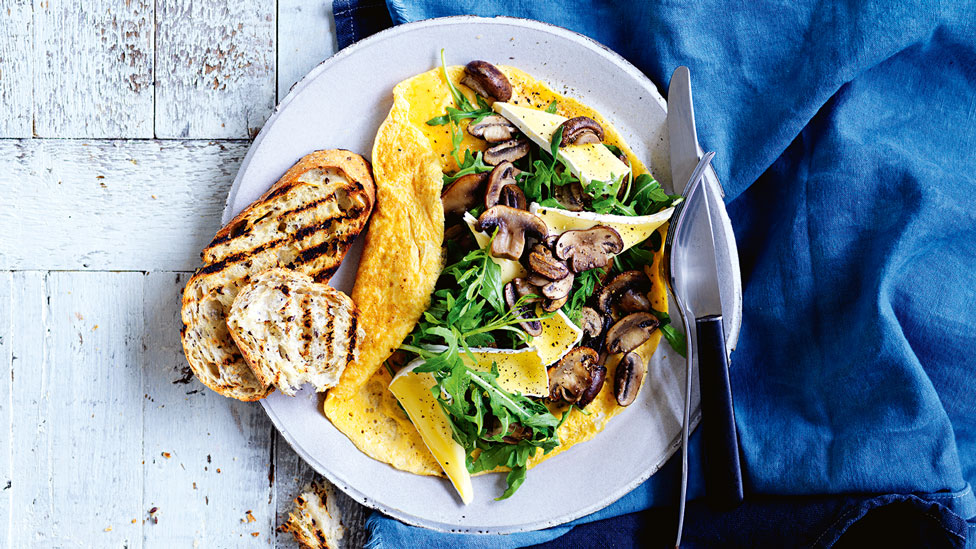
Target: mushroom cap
{"points": [[558, 289], [502, 175], [581, 130], [510, 150], [462, 195], [542, 262], [571, 376], [493, 128], [570, 196], [630, 332], [512, 225], [516, 290], [596, 384], [591, 322], [553, 305], [487, 80], [590, 248], [622, 284], [627, 379]]}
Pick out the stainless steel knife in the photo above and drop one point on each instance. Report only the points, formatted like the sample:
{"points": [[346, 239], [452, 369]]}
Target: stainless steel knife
{"points": [[696, 286]]}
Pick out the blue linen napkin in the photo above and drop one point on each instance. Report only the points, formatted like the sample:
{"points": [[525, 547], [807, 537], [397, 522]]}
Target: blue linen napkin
{"points": [[845, 136]]}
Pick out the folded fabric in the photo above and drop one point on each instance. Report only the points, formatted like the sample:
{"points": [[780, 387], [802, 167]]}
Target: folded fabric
{"points": [[845, 136]]}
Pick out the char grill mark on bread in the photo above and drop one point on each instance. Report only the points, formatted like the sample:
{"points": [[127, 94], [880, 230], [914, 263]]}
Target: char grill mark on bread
{"points": [[305, 222], [292, 330]]}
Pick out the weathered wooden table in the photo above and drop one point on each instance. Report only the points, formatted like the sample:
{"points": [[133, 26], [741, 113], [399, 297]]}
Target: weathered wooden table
{"points": [[123, 124]]}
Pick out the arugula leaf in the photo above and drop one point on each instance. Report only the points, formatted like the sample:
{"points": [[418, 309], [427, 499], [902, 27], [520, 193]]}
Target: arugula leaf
{"points": [[557, 139], [462, 106], [583, 287], [551, 109], [649, 197], [674, 338]]}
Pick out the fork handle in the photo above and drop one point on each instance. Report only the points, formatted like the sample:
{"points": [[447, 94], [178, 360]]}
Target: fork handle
{"points": [[723, 473]]}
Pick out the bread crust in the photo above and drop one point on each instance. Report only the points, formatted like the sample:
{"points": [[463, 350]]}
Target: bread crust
{"points": [[247, 387]]}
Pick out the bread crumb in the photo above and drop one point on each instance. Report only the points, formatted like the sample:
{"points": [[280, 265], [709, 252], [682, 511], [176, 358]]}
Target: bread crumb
{"points": [[167, 455], [250, 517], [133, 521], [255, 534], [218, 469], [109, 529]]}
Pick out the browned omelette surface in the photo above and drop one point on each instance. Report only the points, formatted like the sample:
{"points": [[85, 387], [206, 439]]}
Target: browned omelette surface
{"points": [[398, 272]]}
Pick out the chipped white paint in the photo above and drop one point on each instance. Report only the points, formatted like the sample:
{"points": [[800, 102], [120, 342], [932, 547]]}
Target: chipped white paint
{"points": [[112, 205], [211, 488], [93, 68], [6, 408], [215, 74], [16, 87], [77, 425], [308, 38], [90, 362]]}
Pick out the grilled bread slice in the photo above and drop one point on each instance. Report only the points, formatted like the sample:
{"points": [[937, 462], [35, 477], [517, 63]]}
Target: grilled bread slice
{"points": [[306, 222], [292, 330], [315, 521]]}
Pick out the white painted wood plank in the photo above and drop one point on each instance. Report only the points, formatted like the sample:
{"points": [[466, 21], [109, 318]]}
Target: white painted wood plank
{"points": [[6, 472], [111, 205], [16, 66], [77, 398], [306, 37], [292, 475], [93, 68], [215, 74], [207, 457]]}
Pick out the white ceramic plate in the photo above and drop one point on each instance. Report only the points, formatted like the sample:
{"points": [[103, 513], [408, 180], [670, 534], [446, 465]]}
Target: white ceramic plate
{"points": [[340, 104]]}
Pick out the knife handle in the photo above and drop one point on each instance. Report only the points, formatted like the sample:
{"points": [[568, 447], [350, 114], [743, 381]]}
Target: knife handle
{"points": [[723, 473]]}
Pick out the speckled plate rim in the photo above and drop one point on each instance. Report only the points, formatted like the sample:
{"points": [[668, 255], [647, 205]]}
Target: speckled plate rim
{"points": [[728, 251]]}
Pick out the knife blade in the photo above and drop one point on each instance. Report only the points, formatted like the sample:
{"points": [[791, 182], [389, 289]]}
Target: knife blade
{"points": [[696, 286], [681, 129]]}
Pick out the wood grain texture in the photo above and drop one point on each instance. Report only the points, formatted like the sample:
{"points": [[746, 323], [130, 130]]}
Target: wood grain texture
{"points": [[215, 74], [207, 458], [78, 427], [306, 38], [93, 68], [16, 67], [112, 205], [6, 407]]}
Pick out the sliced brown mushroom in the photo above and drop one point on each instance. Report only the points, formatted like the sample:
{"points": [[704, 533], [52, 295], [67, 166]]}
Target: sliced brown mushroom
{"points": [[627, 379], [630, 332], [590, 248], [571, 376], [596, 384], [485, 79], [496, 192], [542, 262], [462, 195], [558, 289], [626, 293], [537, 280], [493, 128], [580, 131], [513, 196], [510, 150], [570, 196], [553, 305], [512, 227], [516, 431], [516, 290], [591, 321]]}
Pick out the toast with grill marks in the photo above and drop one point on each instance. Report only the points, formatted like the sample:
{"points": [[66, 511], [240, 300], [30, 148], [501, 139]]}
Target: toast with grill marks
{"points": [[305, 222], [293, 331]]}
